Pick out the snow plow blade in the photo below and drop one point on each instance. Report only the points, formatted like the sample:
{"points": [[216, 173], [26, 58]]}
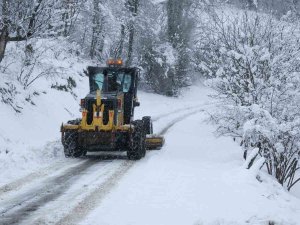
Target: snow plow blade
{"points": [[154, 142]]}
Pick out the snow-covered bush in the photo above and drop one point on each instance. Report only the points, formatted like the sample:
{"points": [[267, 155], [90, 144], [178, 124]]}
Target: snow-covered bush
{"points": [[8, 92], [26, 76], [278, 143], [252, 61]]}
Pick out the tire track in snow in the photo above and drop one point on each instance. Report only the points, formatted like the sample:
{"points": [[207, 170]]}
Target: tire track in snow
{"points": [[20, 182], [164, 115], [30, 178], [22, 205], [179, 119], [95, 198]]}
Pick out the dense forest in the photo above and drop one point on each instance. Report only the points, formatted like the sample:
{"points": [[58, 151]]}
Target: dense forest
{"points": [[157, 36]]}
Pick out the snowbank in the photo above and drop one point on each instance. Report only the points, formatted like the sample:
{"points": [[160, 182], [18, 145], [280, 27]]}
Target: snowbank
{"points": [[28, 138]]}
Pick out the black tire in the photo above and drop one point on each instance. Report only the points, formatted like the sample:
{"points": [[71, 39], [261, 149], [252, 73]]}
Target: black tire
{"points": [[148, 126], [137, 148], [70, 142]]}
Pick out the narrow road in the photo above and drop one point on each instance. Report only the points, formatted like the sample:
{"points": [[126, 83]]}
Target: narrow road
{"points": [[73, 192]]}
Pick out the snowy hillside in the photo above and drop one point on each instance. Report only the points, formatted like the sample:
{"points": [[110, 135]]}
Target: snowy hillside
{"points": [[31, 116]]}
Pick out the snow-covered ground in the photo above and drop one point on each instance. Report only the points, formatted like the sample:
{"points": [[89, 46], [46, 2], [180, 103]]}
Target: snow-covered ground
{"points": [[31, 140], [28, 140], [195, 178]]}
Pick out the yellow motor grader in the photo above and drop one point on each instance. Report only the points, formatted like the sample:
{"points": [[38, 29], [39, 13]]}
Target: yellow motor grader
{"points": [[107, 122]]}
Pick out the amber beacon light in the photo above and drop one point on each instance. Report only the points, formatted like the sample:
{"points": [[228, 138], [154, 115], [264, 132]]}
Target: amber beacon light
{"points": [[115, 62]]}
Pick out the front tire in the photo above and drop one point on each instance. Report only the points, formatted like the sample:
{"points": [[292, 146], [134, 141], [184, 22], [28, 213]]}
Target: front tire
{"points": [[148, 126], [70, 142]]}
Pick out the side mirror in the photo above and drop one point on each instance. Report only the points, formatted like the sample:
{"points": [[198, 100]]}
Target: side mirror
{"points": [[136, 104], [86, 72]]}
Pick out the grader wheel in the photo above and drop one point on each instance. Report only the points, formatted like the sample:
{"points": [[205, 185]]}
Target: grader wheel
{"points": [[138, 147], [148, 126], [70, 142]]}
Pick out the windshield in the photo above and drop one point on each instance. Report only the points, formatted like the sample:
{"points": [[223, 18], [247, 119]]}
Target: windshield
{"points": [[111, 81]]}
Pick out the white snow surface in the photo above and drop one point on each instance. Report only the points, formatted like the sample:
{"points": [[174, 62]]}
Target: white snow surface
{"points": [[29, 140], [195, 178]]}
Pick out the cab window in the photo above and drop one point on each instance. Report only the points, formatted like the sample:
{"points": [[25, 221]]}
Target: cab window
{"points": [[127, 83], [115, 81]]}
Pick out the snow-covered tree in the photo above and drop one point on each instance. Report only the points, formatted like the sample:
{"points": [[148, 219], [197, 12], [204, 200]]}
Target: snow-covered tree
{"points": [[253, 64], [23, 19]]}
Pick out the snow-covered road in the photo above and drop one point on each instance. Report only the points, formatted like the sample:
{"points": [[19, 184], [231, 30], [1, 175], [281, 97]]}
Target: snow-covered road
{"points": [[30, 198], [196, 178]]}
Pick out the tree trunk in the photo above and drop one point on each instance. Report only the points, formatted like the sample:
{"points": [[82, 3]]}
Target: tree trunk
{"points": [[133, 8], [175, 20], [96, 29], [4, 31], [3, 41], [32, 22], [130, 44], [119, 51]]}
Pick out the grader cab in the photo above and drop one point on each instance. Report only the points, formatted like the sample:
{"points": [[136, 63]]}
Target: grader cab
{"points": [[107, 122]]}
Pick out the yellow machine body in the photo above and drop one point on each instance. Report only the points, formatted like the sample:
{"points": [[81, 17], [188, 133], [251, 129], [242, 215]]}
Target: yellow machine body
{"points": [[97, 125], [107, 122]]}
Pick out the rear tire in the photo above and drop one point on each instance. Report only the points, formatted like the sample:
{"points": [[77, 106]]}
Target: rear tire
{"points": [[137, 148]]}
